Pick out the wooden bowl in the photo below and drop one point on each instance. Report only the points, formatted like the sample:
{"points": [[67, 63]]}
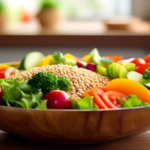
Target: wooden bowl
{"points": [[74, 126]]}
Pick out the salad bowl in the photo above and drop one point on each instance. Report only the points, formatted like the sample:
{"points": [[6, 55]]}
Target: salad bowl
{"points": [[74, 126]]}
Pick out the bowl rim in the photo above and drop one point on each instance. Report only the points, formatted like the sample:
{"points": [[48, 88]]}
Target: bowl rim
{"points": [[74, 110]]}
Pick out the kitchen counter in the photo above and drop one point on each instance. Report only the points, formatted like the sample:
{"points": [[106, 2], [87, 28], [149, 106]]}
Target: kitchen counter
{"points": [[137, 142]]}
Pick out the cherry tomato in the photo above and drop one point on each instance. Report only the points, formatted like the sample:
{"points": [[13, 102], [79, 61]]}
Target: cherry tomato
{"points": [[111, 98], [1, 95], [142, 68], [58, 99], [147, 58], [138, 62]]}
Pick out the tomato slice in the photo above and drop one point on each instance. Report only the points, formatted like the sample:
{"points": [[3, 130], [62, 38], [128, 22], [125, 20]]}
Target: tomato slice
{"points": [[147, 58], [97, 93], [115, 58], [142, 68], [111, 98], [138, 61]]}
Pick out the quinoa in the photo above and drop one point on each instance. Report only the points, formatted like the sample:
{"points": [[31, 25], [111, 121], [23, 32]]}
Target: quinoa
{"points": [[81, 79]]}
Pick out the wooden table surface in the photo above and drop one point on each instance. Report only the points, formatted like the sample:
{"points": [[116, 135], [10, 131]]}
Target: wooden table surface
{"points": [[138, 142]]}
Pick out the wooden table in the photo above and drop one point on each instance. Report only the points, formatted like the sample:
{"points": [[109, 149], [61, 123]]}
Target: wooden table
{"points": [[138, 142]]}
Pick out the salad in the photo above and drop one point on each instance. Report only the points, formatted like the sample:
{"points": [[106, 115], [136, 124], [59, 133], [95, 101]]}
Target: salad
{"points": [[60, 81]]}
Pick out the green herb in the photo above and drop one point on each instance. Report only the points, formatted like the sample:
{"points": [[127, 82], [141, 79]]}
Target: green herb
{"points": [[46, 4], [146, 74], [84, 103], [133, 101]]}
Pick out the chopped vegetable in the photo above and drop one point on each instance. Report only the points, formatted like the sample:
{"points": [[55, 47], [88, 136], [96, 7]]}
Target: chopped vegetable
{"points": [[81, 64], [101, 70], [111, 98], [17, 93], [106, 61], [115, 58], [142, 68], [91, 67], [7, 73], [130, 66], [48, 82], [146, 74], [128, 87], [84, 103], [138, 61], [31, 60], [147, 58], [97, 93], [95, 57], [45, 61], [133, 101]]}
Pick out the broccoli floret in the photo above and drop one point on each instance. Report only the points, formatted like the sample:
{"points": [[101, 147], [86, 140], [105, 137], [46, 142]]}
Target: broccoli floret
{"points": [[146, 74], [44, 81], [48, 82], [64, 83]]}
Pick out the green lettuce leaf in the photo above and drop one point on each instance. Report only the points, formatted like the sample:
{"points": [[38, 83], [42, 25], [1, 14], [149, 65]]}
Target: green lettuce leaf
{"points": [[84, 103], [133, 101]]}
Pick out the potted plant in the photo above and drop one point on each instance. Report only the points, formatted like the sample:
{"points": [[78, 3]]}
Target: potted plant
{"points": [[49, 14]]}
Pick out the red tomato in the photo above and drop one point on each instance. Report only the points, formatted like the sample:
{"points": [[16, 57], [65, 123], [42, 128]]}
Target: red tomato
{"points": [[97, 93], [142, 68], [138, 62], [58, 99], [147, 58], [7, 73], [111, 98], [1, 95]]}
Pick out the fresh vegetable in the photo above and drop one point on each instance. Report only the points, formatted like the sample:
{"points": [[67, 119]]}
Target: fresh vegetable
{"points": [[58, 100], [91, 67], [106, 61], [116, 70], [138, 62], [115, 58], [81, 64], [135, 76], [146, 74], [58, 58], [125, 61], [69, 56], [130, 66], [48, 82], [147, 58], [3, 67], [147, 86], [1, 96], [101, 70], [7, 73], [45, 61], [97, 93], [128, 87], [95, 57], [111, 98], [142, 68], [133, 101], [84, 103], [31, 60], [17, 93]]}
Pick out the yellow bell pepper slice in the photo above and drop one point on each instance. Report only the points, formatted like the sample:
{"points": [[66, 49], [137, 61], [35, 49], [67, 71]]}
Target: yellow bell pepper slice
{"points": [[45, 61], [87, 58], [128, 87], [3, 67], [69, 56]]}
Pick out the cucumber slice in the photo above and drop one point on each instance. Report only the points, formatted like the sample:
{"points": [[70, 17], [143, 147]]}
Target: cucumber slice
{"points": [[101, 70], [116, 69], [130, 66], [31, 60], [123, 72], [135, 76]]}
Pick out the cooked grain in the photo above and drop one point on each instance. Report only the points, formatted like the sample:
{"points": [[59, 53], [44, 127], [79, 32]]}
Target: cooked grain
{"points": [[81, 79]]}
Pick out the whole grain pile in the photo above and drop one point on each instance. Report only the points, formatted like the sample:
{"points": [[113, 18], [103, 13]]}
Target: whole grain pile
{"points": [[81, 79]]}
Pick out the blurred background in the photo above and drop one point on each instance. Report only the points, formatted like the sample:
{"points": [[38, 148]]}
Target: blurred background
{"points": [[75, 18]]}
